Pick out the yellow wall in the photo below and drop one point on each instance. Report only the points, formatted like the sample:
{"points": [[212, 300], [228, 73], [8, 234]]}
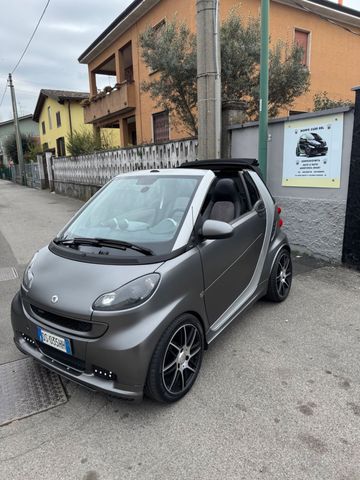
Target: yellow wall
{"points": [[334, 64], [77, 123]]}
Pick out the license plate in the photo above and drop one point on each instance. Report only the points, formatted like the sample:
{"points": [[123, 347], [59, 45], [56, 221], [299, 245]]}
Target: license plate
{"points": [[62, 344]]}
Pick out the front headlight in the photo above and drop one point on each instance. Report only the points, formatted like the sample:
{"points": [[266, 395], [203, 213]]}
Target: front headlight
{"points": [[130, 295], [28, 274]]}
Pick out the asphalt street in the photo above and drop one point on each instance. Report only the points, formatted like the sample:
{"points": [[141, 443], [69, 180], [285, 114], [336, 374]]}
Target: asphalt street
{"points": [[278, 396]]}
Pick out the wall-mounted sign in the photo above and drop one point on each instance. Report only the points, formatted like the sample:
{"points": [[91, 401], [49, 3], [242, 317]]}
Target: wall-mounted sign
{"points": [[312, 152]]}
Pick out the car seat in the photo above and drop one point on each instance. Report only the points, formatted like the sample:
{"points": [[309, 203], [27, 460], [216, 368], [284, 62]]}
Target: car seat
{"points": [[224, 204]]}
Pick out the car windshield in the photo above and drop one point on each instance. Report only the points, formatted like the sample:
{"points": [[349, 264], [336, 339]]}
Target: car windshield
{"points": [[145, 211], [313, 136], [317, 137]]}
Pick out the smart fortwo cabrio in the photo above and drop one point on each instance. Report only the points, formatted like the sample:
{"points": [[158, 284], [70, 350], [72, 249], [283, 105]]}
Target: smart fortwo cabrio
{"points": [[136, 286]]}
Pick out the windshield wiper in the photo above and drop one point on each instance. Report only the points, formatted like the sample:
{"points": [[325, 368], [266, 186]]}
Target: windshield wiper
{"points": [[103, 242]]}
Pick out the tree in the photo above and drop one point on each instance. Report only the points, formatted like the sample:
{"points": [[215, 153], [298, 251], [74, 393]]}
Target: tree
{"points": [[83, 142], [323, 102], [30, 146], [171, 52]]}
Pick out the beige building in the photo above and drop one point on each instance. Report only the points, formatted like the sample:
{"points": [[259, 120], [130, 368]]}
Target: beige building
{"points": [[328, 32]]}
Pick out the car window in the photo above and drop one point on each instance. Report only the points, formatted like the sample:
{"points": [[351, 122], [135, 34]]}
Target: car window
{"points": [[252, 190]]}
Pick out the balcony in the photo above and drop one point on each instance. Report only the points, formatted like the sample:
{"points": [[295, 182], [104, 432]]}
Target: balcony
{"points": [[110, 102]]}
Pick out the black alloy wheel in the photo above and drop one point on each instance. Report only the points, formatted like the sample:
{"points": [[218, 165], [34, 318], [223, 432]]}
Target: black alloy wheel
{"points": [[176, 361], [280, 277]]}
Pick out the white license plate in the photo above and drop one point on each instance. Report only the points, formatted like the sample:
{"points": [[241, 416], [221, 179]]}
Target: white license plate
{"points": [[60, 343]]}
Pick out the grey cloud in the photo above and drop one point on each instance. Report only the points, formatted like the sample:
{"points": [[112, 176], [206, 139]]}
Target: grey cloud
{"points": [[67, 29]]}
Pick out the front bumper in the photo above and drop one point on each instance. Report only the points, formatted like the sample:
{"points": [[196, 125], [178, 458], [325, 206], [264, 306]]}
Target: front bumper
{"points": [[118, 361], [89, 381]]}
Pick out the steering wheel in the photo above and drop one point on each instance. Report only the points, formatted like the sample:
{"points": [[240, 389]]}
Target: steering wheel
{"points": [[115, 224], [166, 225]]}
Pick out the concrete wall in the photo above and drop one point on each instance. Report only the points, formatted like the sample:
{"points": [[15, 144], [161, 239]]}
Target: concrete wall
{"points": [[314, 218]]}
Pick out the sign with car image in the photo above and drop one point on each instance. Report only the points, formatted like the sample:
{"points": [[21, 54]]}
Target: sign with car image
{"points": [[312, 152]]}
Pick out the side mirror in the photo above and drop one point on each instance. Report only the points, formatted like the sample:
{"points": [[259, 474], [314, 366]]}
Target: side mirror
{"points": [[214, 229]]}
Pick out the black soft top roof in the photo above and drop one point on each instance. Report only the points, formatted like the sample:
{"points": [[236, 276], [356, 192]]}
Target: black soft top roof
{"points": [[222, 164]]}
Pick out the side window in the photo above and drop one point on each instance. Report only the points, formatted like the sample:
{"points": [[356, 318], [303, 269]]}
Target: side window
{"points": [[244, 207], [252, 190]]}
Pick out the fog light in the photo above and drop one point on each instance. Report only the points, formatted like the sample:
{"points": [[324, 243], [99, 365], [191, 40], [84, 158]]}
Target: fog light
{"points": [[29, 340], [103, 373]]}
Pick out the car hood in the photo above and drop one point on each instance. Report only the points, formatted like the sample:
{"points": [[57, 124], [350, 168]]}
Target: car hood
{"points": [[76, 284]]}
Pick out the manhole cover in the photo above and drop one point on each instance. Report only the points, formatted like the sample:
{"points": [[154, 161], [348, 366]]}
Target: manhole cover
{"points": [[26, 388], [8, 273]]}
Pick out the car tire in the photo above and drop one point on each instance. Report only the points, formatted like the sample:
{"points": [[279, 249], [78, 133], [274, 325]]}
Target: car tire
{"points": [[308, 152], [280, 277], [176, 361], [297, 151]]}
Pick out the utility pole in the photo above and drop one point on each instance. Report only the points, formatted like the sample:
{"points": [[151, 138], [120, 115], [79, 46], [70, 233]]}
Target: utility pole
{"points": [[17, 132], [264, 87], [208, 79]]}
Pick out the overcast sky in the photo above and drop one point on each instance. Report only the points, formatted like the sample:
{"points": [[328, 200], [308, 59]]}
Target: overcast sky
{"points": [[67, 29]]}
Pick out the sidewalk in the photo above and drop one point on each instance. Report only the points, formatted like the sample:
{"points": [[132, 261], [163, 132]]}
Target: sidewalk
{"points": [[278, 397]]}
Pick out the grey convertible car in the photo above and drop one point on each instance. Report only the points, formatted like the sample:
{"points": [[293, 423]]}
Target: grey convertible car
{"points": [[137, 285]]}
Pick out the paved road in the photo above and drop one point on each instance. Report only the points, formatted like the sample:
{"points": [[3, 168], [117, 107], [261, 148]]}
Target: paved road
{"points": [[278, 396]]}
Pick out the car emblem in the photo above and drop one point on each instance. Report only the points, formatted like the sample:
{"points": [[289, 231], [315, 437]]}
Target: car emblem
{"points": [[54, 299]]}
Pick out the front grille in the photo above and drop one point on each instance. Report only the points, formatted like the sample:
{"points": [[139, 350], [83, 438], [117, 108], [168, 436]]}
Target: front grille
{"points": [[63, 358], [72, 324]]}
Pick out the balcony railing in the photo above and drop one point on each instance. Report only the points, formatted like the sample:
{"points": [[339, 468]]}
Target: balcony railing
{"points": [[111, 101]]}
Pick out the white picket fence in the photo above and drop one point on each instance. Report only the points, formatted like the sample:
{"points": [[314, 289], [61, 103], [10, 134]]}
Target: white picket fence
{"points": [[98, 168]]}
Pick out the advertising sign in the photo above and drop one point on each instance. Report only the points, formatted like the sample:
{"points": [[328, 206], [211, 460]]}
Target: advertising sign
{"points": [[312, 152]]}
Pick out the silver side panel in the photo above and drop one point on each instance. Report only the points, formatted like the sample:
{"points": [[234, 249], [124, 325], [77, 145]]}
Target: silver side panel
{"points": [[248, 294]]}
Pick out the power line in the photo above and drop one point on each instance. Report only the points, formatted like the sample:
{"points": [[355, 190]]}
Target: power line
{"points": [[32, 36], [3, 95]]}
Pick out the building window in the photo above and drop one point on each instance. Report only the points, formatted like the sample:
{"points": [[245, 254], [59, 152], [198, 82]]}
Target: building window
{"points": [[161, 127], [43, 128], [49, 118], [157, 30], [60, 147], [58, 119], [302, 39]]}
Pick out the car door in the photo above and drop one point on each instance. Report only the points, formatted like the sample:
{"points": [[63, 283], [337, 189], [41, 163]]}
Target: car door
{"points": [[229, 264]]}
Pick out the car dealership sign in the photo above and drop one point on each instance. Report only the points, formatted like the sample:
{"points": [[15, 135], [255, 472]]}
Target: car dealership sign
{"points": [[312, 152]]}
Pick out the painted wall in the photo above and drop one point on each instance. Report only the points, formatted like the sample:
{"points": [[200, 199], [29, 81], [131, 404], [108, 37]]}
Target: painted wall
{"points": [[77, 122], [314, 218], [27, 127], [333, 60], [53, 132]]}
